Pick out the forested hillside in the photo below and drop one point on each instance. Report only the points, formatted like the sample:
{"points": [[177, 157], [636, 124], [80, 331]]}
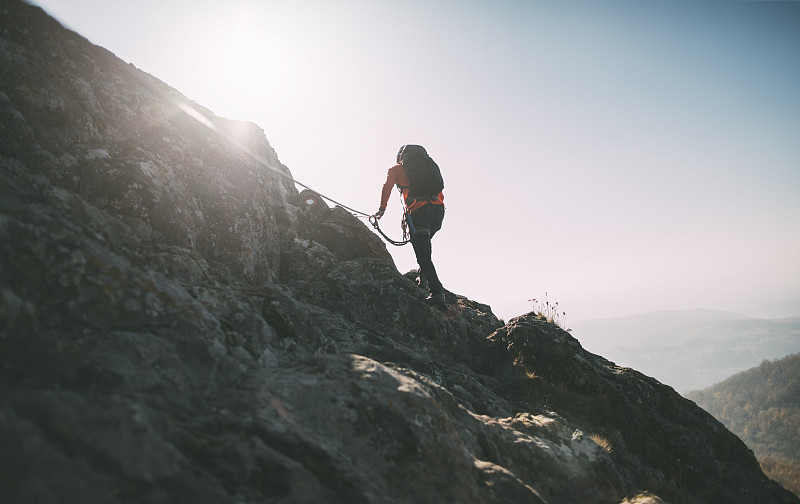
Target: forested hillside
{"points": [[762, 407]]}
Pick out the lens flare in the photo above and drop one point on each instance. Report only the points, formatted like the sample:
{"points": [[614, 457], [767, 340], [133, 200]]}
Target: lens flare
{"points": [[197, 116]]}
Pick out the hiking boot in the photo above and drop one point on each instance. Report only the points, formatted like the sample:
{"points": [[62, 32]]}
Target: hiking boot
{"points": [[435, 298], [422, 282]]}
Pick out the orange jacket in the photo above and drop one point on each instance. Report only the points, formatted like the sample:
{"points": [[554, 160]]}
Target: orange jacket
{"points": [[397, 176]]}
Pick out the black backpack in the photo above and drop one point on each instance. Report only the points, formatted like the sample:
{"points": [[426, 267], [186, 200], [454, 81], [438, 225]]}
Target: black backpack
{"points": [[423, 172]]}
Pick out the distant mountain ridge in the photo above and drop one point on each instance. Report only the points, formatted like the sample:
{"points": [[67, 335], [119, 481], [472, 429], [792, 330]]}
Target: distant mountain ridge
{"points": [[690, 349], [762, 406]]}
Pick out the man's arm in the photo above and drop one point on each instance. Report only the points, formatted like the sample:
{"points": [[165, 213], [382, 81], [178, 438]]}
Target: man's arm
{"points": [[391, 180]]}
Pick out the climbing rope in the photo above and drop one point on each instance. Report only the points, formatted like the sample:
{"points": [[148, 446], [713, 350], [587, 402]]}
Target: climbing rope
{"points": [[406, 239], [355, 212], [404, 223], [194, 114]]}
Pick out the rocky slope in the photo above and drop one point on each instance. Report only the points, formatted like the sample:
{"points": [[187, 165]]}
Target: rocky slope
{"points": [[179, 325]]}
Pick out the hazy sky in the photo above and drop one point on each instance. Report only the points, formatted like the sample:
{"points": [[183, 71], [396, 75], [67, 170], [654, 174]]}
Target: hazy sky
{"points": [[621, 156]]}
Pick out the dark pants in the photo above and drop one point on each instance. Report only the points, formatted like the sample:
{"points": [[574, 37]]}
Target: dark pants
{"points": [[427, 220]]}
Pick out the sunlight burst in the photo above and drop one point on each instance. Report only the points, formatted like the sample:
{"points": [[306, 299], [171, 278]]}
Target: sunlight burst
{"points": [[251, 64]]}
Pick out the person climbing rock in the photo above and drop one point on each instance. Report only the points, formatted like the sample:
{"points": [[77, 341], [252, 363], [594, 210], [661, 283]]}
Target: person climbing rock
{"points": [[419, 179]]}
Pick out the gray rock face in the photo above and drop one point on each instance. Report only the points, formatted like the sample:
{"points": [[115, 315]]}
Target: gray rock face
{"points": [[178, 324]]}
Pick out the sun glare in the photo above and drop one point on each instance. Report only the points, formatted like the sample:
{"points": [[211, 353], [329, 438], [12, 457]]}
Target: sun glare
{"points": [[251, 64], [194, 114]]}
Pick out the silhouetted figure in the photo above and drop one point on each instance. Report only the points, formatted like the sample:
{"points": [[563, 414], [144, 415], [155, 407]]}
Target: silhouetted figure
{"points": [[420, 181]]}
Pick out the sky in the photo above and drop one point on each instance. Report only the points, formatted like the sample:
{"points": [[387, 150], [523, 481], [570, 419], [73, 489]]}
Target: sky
{"points": [[617, 156]]}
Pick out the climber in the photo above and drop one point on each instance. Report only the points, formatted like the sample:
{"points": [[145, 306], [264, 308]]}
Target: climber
{"points": [[420, 181]]}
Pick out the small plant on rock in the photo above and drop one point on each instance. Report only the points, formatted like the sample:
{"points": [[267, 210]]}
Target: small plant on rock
{"points": [[548, 311], [602, 442]]}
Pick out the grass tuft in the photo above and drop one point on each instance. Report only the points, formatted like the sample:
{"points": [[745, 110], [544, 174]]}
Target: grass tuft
{"points": [[548, 311], [602, 442]]}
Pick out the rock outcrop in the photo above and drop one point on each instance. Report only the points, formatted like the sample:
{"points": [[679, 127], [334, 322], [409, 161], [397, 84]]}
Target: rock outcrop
{"points": [[179, 324]]}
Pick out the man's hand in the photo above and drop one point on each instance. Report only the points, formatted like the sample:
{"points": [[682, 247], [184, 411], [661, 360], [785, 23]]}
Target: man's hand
{"points": [[379, 214]]}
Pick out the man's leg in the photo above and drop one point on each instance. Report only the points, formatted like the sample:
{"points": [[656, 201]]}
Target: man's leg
{"points": [[427, 220], [421, 242]]}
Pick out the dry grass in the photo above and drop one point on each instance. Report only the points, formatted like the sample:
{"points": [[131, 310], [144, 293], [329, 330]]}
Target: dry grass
{"points": [[547, 310], [602, 442]]}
